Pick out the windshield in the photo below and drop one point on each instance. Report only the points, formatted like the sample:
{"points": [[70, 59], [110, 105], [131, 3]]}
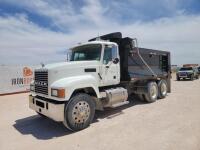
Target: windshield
{"points": [[86, 52], [185, 69]]}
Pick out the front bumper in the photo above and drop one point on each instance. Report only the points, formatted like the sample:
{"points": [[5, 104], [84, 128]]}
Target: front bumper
{"points": [[54, 111], [184, 75]]}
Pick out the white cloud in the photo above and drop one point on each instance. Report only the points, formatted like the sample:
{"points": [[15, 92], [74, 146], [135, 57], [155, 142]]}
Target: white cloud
{"points": [[64, 15], [22, 41]]}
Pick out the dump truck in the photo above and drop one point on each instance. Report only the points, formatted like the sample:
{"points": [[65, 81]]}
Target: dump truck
{"points": [[103, 72]]}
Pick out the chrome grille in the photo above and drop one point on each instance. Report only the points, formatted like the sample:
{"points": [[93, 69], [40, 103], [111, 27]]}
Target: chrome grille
{"points": [[183, 74], [41, 81]]}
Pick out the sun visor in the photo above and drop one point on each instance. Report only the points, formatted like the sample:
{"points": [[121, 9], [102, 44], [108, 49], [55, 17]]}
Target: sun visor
{"points": [[110, 37]]}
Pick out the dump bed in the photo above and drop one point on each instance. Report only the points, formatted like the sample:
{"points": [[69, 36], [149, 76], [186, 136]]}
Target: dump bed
{"points": [[158, 61]]}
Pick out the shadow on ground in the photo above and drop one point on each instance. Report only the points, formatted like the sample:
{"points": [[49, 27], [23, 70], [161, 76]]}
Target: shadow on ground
{"points": [[40, 127], [110, 113], [44, 129]]}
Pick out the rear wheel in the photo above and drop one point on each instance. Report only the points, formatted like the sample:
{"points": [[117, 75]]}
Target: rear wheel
{"points": [[162, 89], [152, 92], [177, 78], [141, 97], [79, 112]]}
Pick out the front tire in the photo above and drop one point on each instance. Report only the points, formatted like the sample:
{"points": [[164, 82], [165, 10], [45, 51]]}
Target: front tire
{"points": [[192, 77], [177, 78], [152, 92], [79, 112]]}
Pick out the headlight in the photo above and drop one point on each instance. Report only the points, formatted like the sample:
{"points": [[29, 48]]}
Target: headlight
{"points": [[54, 92], [58, 93], [32, 87]]}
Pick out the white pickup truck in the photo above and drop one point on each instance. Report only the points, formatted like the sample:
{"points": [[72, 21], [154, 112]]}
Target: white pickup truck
{"points": [[99, 74]]}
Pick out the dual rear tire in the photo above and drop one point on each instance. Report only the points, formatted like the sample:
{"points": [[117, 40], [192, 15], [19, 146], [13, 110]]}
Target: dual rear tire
{"points": [[155, 91]]}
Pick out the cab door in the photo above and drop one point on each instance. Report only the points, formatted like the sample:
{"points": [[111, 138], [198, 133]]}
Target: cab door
{"points": [[110, 66]]}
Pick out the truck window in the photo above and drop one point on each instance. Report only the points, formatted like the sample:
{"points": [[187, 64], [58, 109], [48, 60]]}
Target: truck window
{"points": [[86, 52], [110, 53], [186, 68]]}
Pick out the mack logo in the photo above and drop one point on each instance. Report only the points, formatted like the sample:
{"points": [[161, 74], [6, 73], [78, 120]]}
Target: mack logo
{"points": [[41, 83]]}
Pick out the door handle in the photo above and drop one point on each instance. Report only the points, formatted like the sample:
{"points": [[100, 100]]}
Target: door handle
{"points": [[107, 66]]}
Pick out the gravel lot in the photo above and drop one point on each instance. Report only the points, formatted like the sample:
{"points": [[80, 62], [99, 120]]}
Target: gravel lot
{"points": [[168, 124]]}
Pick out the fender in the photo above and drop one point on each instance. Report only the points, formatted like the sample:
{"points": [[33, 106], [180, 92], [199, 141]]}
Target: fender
{"points": [[70, 84]]}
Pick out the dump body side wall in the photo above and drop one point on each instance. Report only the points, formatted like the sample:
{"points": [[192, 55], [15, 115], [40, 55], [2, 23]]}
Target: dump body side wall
{"points": [[158, 61]]}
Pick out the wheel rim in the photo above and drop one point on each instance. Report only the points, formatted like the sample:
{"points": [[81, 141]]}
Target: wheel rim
{"points": [[80, 112], [163, 89], [153, 92]]}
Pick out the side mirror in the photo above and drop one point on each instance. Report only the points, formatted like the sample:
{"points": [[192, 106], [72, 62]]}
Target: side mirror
{"points": [[116, 60]]}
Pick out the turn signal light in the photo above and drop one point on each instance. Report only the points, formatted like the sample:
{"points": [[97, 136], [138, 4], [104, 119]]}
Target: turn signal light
{"points": [[58, 93]]}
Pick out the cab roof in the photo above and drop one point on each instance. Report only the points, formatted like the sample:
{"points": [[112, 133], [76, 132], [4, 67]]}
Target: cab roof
{"points": [[96, 42]]}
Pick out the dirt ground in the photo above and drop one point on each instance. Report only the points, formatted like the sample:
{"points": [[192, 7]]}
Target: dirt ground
{"points": [[168, 124]]}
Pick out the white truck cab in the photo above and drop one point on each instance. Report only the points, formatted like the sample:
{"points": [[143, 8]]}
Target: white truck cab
{"points": [[92, 65]]}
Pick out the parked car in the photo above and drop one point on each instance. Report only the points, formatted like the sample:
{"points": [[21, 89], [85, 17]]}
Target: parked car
{"points": [[199, 70], [187, 72]]}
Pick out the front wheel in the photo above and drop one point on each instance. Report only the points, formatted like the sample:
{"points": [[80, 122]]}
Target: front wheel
{"points": [[192, 77], [79, 112]]}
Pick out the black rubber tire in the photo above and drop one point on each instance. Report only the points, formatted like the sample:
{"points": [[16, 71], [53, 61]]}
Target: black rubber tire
{"points": [[197, 77], [162, 94], [68, 119], [192, 77], [148, 97], [177, 78], [141, 97]]}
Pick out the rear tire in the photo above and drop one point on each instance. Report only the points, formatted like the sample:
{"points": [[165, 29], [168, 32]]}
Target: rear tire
{"points": [[79, 112], [177, 78], [141, 97], [162, 89], [152, 92]]}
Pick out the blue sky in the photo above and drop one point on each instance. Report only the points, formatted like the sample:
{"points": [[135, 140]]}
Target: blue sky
{"points": [[34, 31]]}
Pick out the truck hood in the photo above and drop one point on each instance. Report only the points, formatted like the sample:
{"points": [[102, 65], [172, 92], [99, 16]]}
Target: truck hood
{"points": [[62, 70], [71, 65]]}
